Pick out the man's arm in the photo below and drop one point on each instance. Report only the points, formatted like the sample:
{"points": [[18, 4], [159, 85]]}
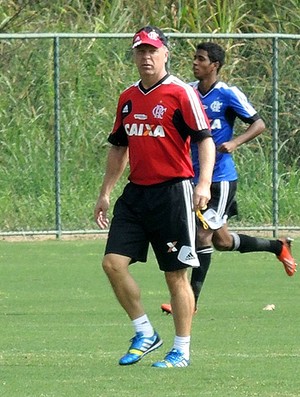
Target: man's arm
{"points": [[116, 162], [251, 132], [207, 155]]}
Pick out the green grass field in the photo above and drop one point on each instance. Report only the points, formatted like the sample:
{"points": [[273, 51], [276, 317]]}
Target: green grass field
{"points": [[62, 331]]}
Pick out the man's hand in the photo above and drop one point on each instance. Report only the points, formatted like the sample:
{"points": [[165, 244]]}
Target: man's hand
{"points": [[201, 196], [100, 212], [227, 147]]}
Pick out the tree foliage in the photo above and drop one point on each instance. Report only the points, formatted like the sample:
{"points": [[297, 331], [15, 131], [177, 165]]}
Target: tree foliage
{"points": [[92, 74], [229, 16]]}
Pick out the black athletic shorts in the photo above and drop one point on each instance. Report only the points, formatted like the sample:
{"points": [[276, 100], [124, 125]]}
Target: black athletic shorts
{"points": [[160, 215], [223, 199]]}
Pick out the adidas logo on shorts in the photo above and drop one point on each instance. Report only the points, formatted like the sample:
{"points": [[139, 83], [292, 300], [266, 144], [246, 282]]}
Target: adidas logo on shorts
{"points": [[186, 255], [189, 257]]}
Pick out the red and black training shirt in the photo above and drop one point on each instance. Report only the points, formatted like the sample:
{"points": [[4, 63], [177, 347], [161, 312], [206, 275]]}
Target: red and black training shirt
{"points": [[157, 125]]}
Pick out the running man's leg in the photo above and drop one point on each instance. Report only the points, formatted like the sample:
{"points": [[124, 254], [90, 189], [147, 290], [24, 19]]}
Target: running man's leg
{"points": [[246, 244], [204, 252], [281, 248]]}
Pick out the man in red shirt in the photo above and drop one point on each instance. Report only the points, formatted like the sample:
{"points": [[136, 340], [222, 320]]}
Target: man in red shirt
{"points": [[156, 119]]}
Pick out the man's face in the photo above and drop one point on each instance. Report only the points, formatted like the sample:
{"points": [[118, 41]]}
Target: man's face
{"points": [[202, 66], [150, 60]]}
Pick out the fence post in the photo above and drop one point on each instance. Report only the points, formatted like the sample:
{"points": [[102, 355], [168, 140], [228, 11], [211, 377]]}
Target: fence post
{"points": [[275, 134], [57, 137]]}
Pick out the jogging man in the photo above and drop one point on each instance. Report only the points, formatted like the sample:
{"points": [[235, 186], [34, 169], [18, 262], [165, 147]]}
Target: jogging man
{"points": [[223, 104], [156, 119]]}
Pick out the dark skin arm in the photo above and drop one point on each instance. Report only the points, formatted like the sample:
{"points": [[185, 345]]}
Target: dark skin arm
{"points": [[251, 132]]}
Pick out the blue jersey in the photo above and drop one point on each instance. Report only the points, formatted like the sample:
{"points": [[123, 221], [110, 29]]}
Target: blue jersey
{"points": [[222, 105]]}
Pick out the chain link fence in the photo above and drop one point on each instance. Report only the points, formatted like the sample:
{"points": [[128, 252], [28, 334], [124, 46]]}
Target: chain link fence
{"points": [[58, 98]]}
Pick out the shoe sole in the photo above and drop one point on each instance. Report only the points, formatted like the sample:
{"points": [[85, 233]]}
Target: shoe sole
{"points": [[170, 365], [290, 267]]}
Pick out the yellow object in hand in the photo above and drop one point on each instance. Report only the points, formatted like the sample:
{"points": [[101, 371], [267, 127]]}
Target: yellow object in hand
{"points": [[201, 218]]}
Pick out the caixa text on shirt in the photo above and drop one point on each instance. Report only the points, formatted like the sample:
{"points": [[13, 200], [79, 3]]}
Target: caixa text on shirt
{"points": [[142, 129]]}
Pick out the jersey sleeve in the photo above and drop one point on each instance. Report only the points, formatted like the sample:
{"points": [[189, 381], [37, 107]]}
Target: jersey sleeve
{"points": [[191, 116], [242, 107], [118, 136]]}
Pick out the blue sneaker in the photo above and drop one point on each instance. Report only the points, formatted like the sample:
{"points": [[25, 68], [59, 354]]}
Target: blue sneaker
{"points": [[173, 359], [140, 346]]}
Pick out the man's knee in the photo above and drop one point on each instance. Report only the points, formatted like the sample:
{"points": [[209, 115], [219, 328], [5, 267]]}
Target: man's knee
{"points": [[177, 279], [222, 239], [114, 263], [223, 244], [107, 265], [204, 238]]}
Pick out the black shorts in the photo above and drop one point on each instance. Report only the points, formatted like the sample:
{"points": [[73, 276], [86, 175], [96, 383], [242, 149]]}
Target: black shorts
{"points": [[160, 215], [223, 199]]}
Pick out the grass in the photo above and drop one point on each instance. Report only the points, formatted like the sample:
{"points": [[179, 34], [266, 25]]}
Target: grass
{"points": [[62, 331]]}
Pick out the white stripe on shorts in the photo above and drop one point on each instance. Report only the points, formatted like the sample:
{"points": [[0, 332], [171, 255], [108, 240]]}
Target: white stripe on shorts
{"points": [[224, 192], [190, 216]]}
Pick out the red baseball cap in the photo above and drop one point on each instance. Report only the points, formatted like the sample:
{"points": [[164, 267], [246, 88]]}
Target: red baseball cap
{"points": [[150, 35]]}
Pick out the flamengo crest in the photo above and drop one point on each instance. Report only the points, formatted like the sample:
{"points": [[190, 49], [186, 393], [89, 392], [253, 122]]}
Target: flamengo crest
{"points": [[158, 111], [216, 106]]}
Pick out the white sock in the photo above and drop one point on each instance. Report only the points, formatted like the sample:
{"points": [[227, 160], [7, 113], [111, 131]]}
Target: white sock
{"points": [[142, 324], [182, 343]]}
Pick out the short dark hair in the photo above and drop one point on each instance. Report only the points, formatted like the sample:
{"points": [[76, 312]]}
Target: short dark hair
{"points": [[214, 51]]}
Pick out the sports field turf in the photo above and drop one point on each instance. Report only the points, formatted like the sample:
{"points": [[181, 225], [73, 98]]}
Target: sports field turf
{"points": [[62, 331]]}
